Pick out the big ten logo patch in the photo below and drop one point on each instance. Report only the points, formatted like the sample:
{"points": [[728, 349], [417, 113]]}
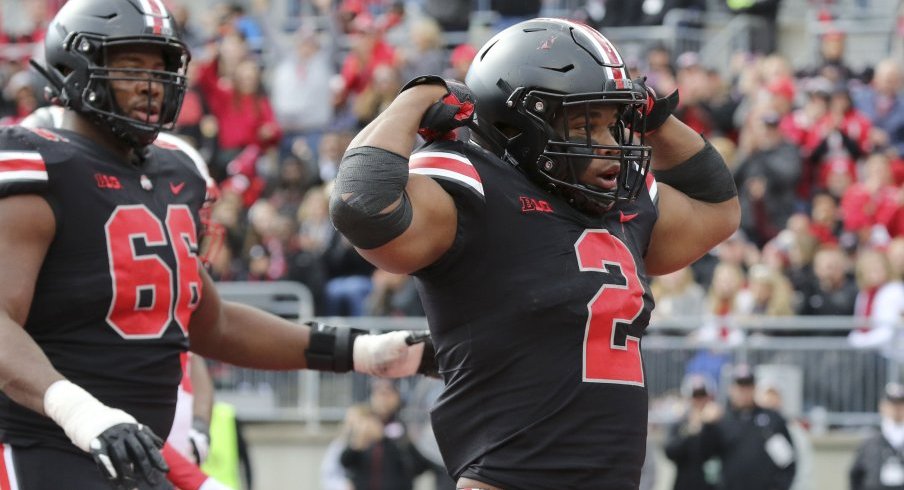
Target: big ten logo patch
{"points": [[107, 181], [529, 204]]}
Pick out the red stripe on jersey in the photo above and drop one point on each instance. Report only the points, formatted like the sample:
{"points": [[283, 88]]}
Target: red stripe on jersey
{"points": [[650, 180], [19, 164], [444, 163], [4, 471]]}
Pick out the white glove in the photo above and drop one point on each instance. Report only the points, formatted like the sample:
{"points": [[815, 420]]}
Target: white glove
{"points": [[199, 438], [387, 355]]}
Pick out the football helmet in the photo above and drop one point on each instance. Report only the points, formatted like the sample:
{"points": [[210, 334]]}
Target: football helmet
{"points": [[525, 79], [76, 47]]}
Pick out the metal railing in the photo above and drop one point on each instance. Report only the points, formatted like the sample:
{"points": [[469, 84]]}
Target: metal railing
{"points": [[819, 375]]}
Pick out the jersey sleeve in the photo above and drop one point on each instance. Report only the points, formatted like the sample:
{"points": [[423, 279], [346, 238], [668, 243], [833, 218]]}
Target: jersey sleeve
{"points": [[22, 168], [455, 171]]}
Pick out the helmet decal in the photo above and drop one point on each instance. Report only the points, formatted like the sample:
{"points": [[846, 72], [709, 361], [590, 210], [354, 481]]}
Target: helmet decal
{"points": [[156, 16]]}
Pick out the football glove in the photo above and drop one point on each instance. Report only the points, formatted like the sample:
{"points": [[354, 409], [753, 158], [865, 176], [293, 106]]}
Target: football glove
{"points": [[199, 438], [126, 452], [452, 111], [657, 110]]}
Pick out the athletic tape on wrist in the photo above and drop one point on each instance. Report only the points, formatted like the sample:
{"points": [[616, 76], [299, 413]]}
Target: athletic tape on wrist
{"points": [[81, 416], [369, 180], [703, 177]]}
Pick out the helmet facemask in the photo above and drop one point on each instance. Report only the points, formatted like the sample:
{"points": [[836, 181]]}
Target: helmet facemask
{"points": [[570, 150], [96, 97]]}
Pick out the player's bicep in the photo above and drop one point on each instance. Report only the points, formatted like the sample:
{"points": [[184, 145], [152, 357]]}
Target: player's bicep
{"points": [[430, 234], [28, 226], [687, 229]]}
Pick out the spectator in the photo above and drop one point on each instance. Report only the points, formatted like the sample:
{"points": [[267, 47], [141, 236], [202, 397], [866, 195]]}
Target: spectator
{"points": [[766, 178], [424, 50], [677, 294], [243, 111], [379, 454], [870, 205], [683, 444], [459, 61], [333, 475], [770, 396], [843, 138], [751, 441], [301, 95], [831, 65], [880, 302], [378, 95], [877, 464], [768, 293], [832, 291], [368, 51], [883, 103]]}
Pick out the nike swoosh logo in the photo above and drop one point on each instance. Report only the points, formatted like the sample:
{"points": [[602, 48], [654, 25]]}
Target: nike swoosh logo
{"points": [[624, 218], [176, 188]]}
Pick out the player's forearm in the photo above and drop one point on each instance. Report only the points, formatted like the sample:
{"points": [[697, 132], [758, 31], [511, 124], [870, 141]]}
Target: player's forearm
{"points": [[395, 129], [25, 372], [249, 337], [673, 143]]}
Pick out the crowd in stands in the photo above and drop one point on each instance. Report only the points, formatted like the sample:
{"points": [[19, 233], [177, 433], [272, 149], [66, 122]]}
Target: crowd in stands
{"points": [[816, 151]]}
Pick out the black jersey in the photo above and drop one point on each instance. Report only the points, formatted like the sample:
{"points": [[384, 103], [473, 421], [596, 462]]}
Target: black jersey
{"points": [[119, 282], [537, 312]]}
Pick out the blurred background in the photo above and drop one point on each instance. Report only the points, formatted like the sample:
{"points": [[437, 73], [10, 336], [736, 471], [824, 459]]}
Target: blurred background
{"points": [[803, 98]]}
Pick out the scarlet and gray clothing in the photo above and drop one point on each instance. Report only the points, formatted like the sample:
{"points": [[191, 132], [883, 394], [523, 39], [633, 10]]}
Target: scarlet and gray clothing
{"points": [[528, 290], [118, 284]]}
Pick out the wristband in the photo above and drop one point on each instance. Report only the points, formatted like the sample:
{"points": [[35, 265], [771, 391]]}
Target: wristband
{"points": [[330, 348], [703, 177]]}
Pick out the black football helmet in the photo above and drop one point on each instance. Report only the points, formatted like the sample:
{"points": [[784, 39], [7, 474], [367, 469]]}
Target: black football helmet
{"points": [[76, 48], [525, 78]]}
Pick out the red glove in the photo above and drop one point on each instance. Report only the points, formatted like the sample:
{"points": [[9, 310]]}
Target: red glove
{"points": [[452, 111]]}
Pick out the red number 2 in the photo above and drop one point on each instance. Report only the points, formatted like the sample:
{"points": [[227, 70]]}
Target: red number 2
{"points": [[145, 300], [611, 354]]}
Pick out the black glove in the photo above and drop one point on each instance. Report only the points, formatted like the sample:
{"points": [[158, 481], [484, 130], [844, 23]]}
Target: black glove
{"points": [[657, 110], [454, 110], [129, 453], [428, 365]]}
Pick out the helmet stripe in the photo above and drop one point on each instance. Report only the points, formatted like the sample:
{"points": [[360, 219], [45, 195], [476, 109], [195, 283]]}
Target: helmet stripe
{"points": [[614, 64], [156, 16]]}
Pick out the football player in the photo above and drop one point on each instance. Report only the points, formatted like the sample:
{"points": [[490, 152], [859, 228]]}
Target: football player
{"points": [[532, 243], [103, 285]]}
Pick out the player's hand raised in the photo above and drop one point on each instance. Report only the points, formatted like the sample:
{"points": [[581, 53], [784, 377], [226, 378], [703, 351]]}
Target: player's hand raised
{"points": [[454, 110], [657, 110]]}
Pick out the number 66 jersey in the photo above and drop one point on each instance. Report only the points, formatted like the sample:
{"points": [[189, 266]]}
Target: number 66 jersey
{"points": [[537, 311], [119, 282]]}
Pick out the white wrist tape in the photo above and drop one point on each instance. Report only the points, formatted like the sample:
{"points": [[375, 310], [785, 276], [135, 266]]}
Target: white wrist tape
{"points": [[387, 355], [81, 416]]}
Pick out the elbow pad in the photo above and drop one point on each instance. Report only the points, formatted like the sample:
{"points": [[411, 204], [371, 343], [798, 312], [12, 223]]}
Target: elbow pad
{"points": [[703, 177], [370, 180]]}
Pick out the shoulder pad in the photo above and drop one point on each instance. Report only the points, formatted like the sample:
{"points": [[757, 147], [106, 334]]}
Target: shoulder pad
{"points": [[168, 141], [22, 167], [444, 163]]}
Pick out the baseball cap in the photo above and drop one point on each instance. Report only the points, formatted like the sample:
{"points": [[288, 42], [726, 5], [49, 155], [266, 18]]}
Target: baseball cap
{"points": [[742, 374], [783, 87], [894, 392]]}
